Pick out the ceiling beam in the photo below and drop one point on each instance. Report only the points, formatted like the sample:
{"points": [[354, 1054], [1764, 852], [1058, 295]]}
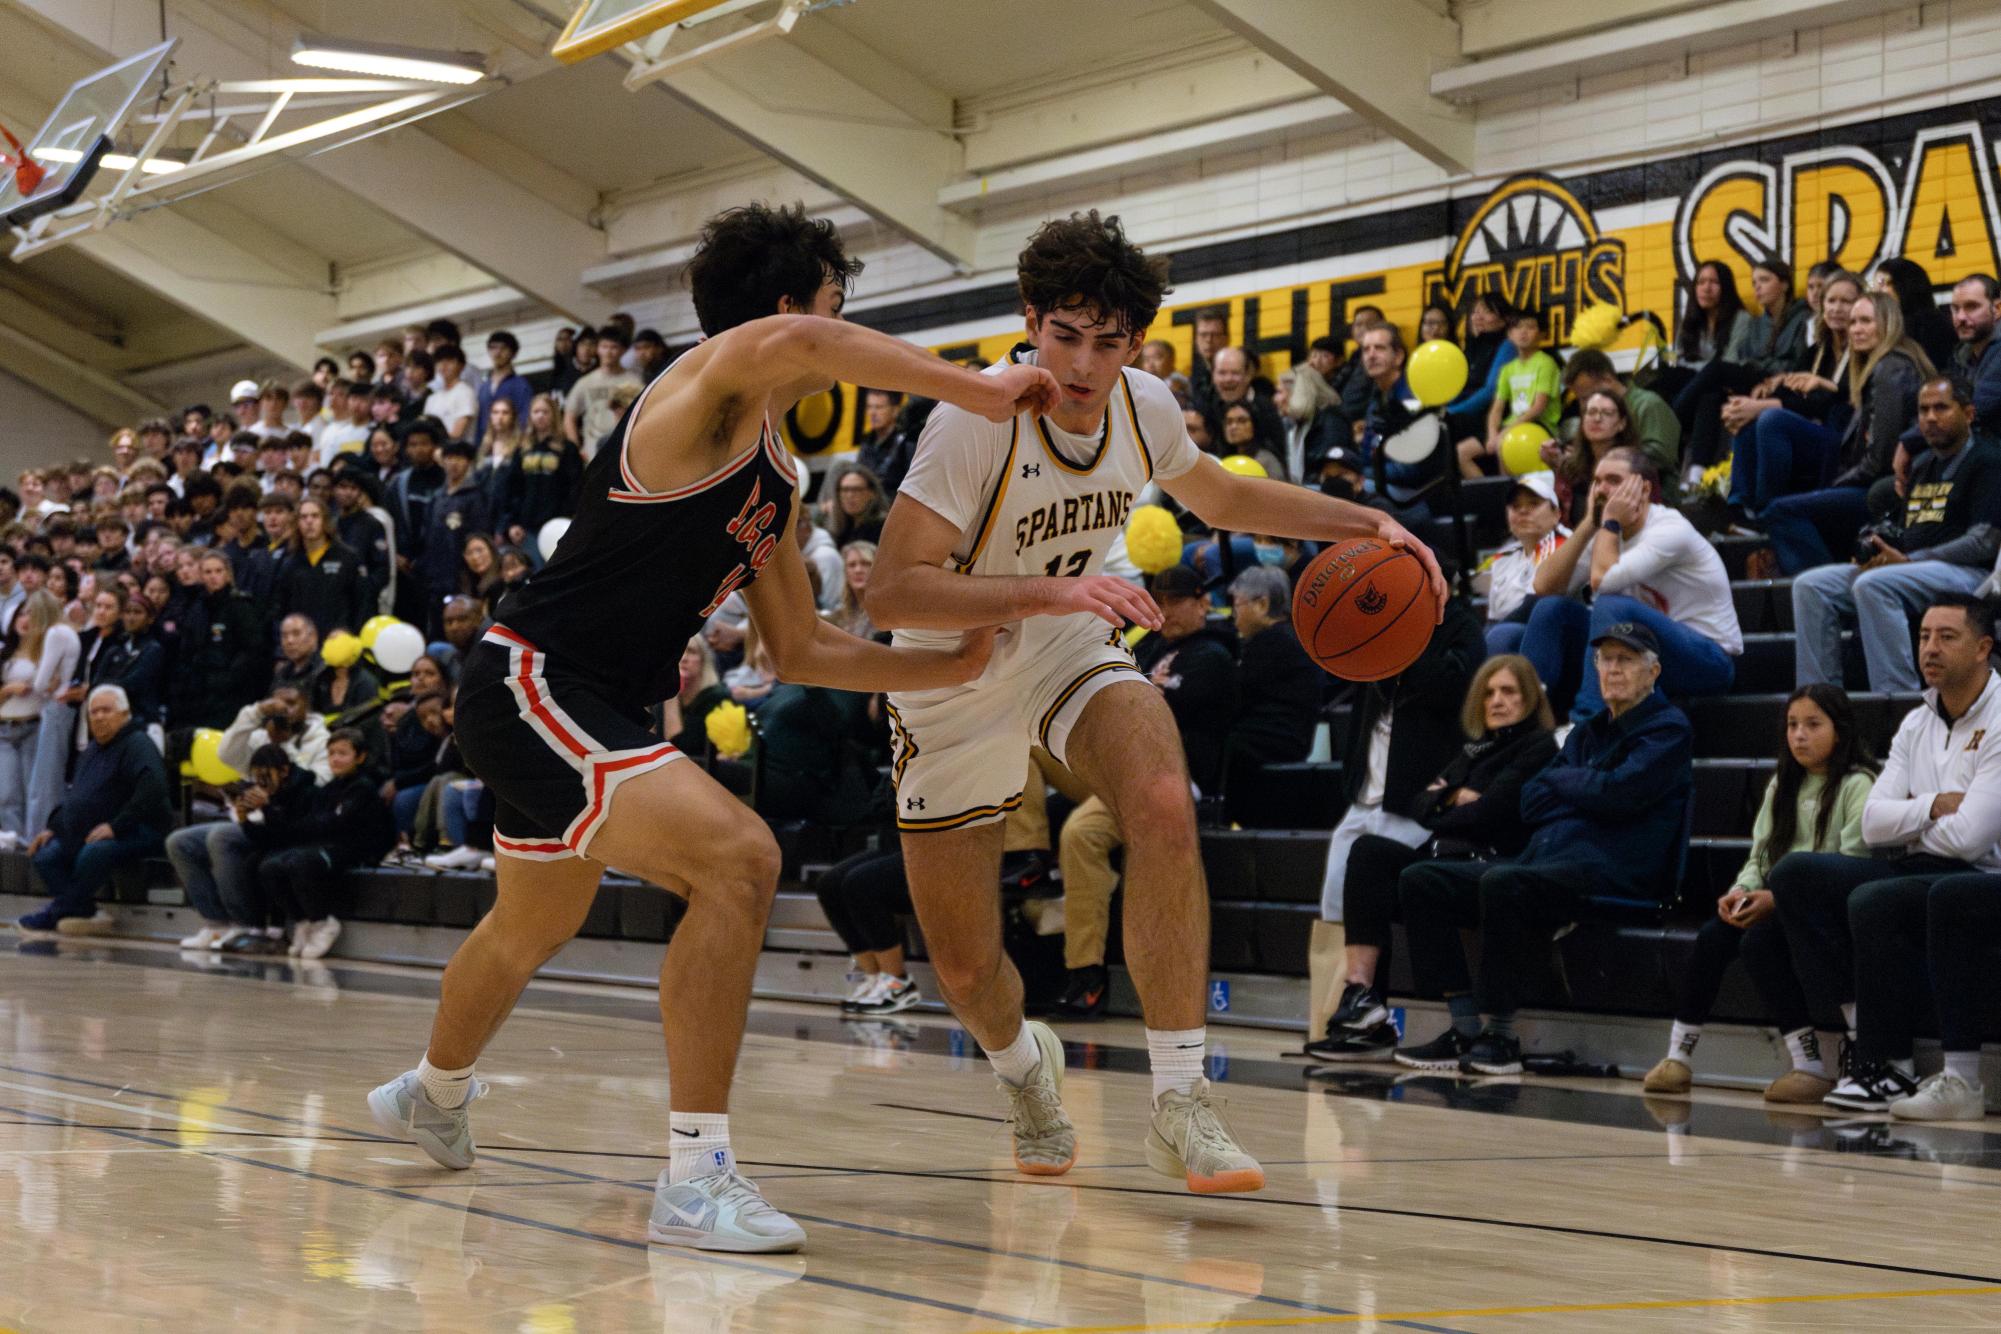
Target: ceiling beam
{"points": [[91, 392], [1378, 58], [1489, 27]]}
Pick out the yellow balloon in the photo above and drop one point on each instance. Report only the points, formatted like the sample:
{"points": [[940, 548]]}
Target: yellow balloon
{"points": [[728, 728], [373, 627], [1243, 465], [206, 754], [1521, 449], [341, 649], [1153, 539], [1437, 372]]}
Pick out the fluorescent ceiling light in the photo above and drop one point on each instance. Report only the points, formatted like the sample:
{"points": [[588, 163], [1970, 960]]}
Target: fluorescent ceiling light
{"points": [[394, 62], [153, 166]]}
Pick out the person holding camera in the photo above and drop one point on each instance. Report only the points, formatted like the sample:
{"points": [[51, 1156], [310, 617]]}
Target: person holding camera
{"points": [[1944, 540], [284, 719]]}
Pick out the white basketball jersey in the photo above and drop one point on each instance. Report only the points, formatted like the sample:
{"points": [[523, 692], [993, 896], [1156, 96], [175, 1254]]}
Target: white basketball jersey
{"points": [[1031, 499]]}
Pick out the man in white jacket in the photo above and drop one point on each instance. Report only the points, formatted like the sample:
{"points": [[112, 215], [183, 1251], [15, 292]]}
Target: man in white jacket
{"points": [[283, 719]]}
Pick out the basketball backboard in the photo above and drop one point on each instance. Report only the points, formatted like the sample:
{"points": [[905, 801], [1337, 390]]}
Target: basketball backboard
{"points": [[599, 25], [78, 133]]}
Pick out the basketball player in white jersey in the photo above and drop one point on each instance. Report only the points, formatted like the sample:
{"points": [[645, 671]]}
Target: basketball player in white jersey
{"points": [[1007, 524]]}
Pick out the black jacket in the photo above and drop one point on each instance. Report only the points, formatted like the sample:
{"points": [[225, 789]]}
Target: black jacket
{"points": [[122, 784], [285, 808], [1889, 406], [540, 484], [345, 816], [1278, 697], [1200, 683], [888, 458], [364, 534], [408, 498], [454, 516], [334, 593], [1953, 510], [1496, 766], [224, 661], [137, 665], [1425, 699], [1615, 799]]}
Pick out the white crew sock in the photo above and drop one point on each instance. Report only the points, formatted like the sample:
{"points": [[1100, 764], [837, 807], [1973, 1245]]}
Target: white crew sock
{"points": [[1681, 1042], [1848, 1018], [1965, 1064], [1177, 1058], [701, 1145], [445, 1088], [1016, 1061], [1803, 1045]]}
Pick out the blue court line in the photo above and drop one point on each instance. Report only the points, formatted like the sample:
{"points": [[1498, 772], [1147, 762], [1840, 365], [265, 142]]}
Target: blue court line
{"points": [[595, 1178], [623, 1243]]}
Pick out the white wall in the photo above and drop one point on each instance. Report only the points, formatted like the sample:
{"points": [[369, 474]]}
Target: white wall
{"points": [[37, 430]]}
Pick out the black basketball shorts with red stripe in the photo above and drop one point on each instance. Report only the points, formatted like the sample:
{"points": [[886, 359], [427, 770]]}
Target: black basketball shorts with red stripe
{"points": [[552, 747]]}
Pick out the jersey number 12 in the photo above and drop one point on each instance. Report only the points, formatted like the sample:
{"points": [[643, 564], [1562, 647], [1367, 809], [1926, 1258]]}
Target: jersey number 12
{"points": [[1078, 560]]}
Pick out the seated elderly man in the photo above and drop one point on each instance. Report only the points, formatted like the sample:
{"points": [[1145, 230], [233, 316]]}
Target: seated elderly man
{"points": [[1646, 565], [284, 718], [114, 814], [1278, 686], [1607, 815], [299, 661]]}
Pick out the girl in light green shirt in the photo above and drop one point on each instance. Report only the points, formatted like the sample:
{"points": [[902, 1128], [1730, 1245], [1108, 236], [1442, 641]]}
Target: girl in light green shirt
{"points": [[1813, 804]]}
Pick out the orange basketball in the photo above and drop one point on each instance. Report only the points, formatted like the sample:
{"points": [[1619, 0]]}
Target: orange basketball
{"points": [[1364, 609]]}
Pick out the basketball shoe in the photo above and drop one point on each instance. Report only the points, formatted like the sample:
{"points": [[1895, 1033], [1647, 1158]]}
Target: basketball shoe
{"points": [[723, 1211], [1190, 1140], [404, 1110], [1045, 1143]]}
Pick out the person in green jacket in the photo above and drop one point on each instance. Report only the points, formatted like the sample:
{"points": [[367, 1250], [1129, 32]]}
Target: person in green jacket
{"points": [[1813, 804]]}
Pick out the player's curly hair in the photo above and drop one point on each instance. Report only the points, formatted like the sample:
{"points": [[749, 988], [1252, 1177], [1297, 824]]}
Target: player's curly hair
{"points": [[1084, 262], [749, 257]]}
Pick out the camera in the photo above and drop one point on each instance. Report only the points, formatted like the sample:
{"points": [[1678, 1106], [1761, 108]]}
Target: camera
{"points": [[1865, 550]]}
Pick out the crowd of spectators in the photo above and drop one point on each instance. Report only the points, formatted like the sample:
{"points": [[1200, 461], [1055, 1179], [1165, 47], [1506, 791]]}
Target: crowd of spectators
{"points": [[1535, 762]]}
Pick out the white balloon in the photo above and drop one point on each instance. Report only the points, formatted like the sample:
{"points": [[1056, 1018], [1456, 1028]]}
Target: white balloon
{"points": [[550, 534], [398, 647]]}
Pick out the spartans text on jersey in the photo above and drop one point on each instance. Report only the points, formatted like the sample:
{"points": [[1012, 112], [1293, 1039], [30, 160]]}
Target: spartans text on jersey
{"points": [[1074, 514]]}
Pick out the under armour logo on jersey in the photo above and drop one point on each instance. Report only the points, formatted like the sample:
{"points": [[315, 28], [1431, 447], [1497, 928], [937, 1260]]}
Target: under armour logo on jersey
{"points": [[913, 803], [1031, 470]]}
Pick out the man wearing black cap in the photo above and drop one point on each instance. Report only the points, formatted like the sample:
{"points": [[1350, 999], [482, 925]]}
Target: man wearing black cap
{"points": [[1608, 816]]}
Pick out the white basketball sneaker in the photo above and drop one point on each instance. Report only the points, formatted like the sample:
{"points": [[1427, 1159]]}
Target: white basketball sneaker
{"points": [[1045, 1142], [723, 1211], [403, 1109]]}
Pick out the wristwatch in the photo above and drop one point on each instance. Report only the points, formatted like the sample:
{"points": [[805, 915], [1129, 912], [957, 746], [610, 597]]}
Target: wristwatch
{"points": [[1613, 527]]}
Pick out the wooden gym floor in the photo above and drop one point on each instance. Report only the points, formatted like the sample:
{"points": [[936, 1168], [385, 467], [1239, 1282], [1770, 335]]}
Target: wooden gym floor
{"points": [[184, 1145]]}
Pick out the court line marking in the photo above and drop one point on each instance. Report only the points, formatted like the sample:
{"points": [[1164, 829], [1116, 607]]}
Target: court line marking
{"points": [[624, 1243], [1488, 1312], [197, 1122]]}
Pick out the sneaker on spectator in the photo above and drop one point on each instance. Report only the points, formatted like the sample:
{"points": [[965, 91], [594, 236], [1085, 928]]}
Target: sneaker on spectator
{"points": [[1943, 1097], [1350, 1044], [458, 859], [99, 923], [244, 940], [1799, 1087], [1443, 1052], [1669, 1076], [486, 862], [40, 923], [1871, 1086], [209, 937], [863, 989], [1492, 1054], [1360, 1010], [320, 937], [1084, 995], [893, 996], [297, 941]]}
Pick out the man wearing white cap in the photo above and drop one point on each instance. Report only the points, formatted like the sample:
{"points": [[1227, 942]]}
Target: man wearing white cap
{"points": [[1534, 521]]}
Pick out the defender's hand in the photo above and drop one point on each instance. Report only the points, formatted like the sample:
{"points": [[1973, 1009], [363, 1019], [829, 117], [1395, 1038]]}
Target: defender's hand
{"points": [[1113, 601], [1016, 390]]}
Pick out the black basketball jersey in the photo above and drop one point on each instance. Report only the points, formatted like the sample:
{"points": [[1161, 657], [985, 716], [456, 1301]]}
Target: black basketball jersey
{"points": [[639, 571]]}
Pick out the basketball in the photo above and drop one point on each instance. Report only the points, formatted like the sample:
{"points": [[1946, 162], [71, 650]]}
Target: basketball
{"points": [[1364, 609]]}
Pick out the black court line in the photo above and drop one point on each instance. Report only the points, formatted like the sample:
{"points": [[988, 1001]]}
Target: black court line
{"points": [[582, 1234], [940, 1111], [1612, 1110]]}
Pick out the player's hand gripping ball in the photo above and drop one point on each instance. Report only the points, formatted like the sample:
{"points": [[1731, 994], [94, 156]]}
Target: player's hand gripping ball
{"points": [[1364, 610]]}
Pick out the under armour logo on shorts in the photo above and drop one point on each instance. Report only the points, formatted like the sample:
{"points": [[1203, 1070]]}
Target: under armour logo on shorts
{"points": [[1031, 470], [913, 803]]}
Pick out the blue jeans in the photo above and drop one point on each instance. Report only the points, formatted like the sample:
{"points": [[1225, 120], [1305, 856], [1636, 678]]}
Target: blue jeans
{"points": [[458, 807], [1808, 530], [1779, 454], [1560, 634], [17, 765], [1881, 602], [218, 868], [404, 807], [1505, 637], [74, 878]]}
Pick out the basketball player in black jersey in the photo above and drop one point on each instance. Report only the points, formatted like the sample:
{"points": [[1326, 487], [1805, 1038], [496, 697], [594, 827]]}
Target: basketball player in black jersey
{"points": [[688, 501]]}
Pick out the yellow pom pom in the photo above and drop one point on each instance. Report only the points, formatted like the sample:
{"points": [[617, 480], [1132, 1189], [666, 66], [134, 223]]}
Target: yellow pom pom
{"points": [[341, 649], [1243, 465], [1153, 539], [728, 727], [1595, 327]]}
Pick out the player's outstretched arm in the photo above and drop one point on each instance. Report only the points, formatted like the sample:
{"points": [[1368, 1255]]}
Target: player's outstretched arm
{"points": [[756, 359], [806, 650], [1222, 499], [910, 588]]}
